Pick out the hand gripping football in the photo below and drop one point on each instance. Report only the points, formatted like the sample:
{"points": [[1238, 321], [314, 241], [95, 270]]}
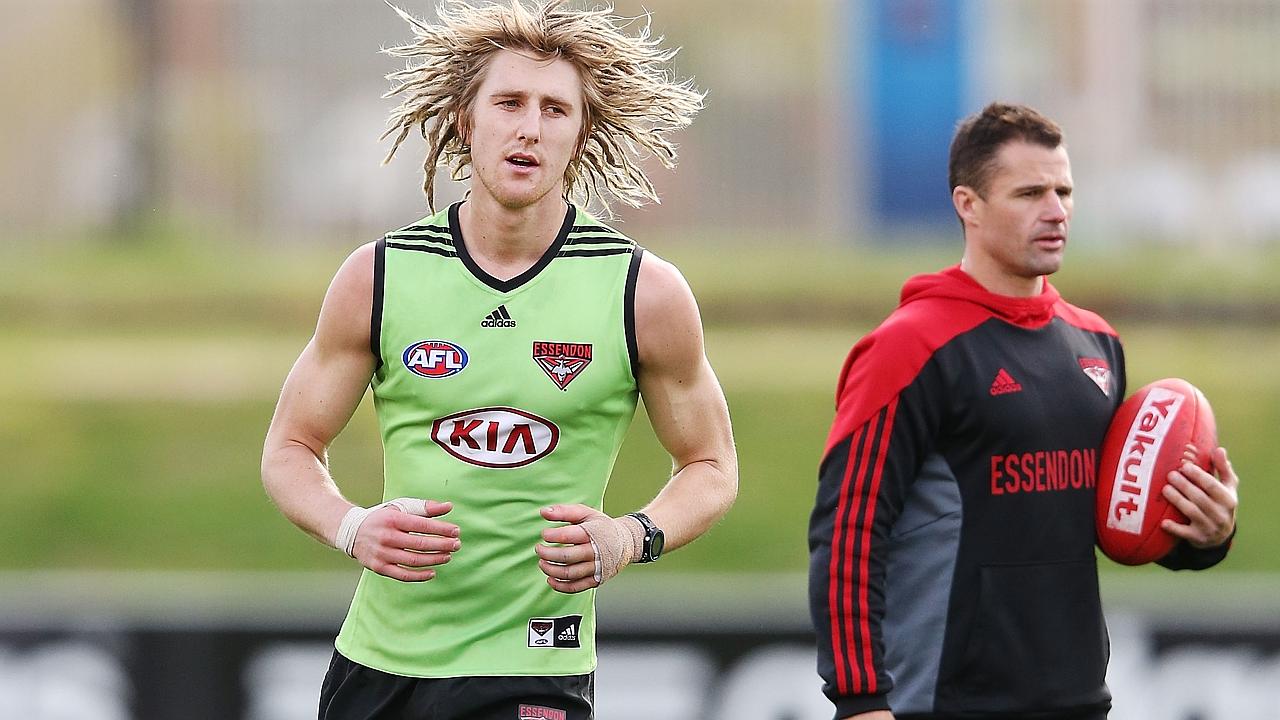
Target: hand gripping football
{"points": [[1146, 440]]}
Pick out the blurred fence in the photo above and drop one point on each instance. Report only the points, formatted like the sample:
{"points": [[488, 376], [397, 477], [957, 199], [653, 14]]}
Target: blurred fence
{"points": [[220, 647], [1158, 672], [263, 115]]}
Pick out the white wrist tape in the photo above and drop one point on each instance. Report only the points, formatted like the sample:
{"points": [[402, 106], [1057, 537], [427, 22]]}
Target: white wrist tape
{"points": [[616, 542], [351, 522], [345, 540]]}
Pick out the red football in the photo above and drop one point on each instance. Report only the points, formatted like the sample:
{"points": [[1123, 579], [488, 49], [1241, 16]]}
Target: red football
{"points": [[1145, 442]]}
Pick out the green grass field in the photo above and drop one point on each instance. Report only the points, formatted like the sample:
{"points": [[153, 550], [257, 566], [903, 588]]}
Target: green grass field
{"points": [[137, 383]]}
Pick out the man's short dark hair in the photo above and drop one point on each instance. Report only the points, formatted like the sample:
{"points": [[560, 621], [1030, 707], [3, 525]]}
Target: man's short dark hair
{"points": [[979, 138]]}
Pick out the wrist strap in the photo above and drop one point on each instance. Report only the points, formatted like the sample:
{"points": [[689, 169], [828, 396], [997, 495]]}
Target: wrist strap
{"points": [[647, 529]]}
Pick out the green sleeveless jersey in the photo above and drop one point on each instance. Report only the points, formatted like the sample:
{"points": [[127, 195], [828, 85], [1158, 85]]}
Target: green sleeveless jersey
{"points": [[501, 396]]}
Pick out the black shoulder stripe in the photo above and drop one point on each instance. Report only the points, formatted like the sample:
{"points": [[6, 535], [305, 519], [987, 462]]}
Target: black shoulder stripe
{"points": [[629, 310], [424, 248], [441, 230], [375, 314], [599, 240], [421, 239], [595, 252], [594, 229]]}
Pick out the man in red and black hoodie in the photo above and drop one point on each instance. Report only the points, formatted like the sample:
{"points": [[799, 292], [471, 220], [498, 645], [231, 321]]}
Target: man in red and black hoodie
{"points": [[952, 568]]}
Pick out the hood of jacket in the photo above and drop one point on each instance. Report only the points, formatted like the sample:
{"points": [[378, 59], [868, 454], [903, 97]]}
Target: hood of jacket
{"points": [[955, 284]]}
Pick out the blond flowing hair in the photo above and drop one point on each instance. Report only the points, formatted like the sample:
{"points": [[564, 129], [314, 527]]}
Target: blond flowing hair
{"points": [[632, 102]]}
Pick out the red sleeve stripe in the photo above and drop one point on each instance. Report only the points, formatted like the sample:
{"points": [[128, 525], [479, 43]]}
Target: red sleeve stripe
{"points": [[869, 516], [835, 584], [847, 557], [848, 553]]}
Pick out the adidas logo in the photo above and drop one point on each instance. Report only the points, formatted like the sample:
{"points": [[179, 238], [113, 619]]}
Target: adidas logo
{"points": [[498, 318], [569, 634], [1004, 384]]}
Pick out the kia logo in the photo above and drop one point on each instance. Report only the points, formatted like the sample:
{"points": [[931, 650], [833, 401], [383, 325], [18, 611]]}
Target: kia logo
{"points": [[496, 437]]}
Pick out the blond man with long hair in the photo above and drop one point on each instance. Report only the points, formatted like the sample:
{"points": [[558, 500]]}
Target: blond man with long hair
{"points": [[507, 339]]}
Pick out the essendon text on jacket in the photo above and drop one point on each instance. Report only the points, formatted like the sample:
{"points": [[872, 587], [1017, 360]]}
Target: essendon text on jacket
{"points": [[1044, 471]]}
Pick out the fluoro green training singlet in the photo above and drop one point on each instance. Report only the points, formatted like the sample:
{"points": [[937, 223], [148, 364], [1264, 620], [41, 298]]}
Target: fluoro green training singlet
{"points": [[503, 397]]}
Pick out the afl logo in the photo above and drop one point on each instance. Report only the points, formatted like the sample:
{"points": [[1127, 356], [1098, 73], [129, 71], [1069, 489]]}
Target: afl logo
{"points": [[496, 437], [435, 358]]}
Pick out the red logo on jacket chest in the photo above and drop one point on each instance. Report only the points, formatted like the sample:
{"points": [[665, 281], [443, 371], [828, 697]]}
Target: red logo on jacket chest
{"points": [[1099, 371], [1044, 471]]}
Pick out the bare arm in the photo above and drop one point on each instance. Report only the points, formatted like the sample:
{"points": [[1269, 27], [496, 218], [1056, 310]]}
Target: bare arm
{"points": [[689, 415], [685, 405], [320, 394]]}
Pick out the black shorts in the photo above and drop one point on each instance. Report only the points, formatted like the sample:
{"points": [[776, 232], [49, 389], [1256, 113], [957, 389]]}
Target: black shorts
{"points": [[352, 691]]}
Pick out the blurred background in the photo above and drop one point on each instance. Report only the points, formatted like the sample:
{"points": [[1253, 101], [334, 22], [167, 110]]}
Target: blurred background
{"points": [[179, 179]]}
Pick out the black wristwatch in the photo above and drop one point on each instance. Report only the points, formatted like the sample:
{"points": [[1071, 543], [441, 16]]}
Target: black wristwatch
{"points": [[653, 538]]}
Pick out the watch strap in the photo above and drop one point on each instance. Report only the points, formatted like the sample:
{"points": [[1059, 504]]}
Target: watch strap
{"points": [[650, 532]]}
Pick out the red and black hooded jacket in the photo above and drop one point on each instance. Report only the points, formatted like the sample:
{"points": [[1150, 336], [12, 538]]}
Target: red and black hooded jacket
{"points": [[952, 567]]}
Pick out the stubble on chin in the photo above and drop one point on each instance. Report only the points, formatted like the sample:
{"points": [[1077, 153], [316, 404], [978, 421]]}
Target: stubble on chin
{"points": [[1044, 265]]}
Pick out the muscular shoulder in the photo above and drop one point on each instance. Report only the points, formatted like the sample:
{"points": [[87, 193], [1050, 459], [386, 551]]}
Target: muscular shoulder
{"points": [[355, 276], [668, 326], [344, 316], [660, 285]]}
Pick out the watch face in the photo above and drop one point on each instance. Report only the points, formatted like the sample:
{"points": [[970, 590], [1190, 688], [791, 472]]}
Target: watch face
{"points": [[655, 545]]}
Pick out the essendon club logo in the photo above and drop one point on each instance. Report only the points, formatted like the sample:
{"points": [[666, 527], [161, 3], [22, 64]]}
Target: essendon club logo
{"points": [[562, 362], [540, 634], [435, 358], [539, 712], [1099, 371], [1131, 486], [496, 437]]}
